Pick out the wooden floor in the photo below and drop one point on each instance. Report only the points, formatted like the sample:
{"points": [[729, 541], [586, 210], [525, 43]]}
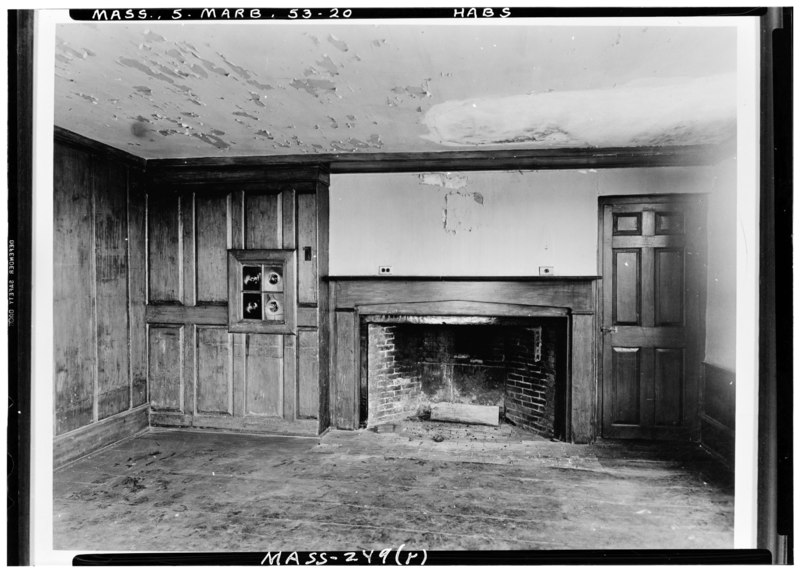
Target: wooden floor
{"points": [[422, 484]]}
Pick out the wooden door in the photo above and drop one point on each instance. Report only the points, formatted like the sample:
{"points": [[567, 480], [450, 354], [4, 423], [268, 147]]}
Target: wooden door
{"points": [[652, 329]]}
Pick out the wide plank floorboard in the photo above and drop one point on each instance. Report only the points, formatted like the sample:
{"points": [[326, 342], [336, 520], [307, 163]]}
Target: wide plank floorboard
{"points": [[478, 488]]}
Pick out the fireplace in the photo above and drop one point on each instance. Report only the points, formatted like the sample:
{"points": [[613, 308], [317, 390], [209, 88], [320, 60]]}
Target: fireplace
{"points": [[516, 363], [564, 304]]}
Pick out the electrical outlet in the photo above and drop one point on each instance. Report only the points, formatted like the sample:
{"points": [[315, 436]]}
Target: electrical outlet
{"points": [[384, 270], [545, 271]]}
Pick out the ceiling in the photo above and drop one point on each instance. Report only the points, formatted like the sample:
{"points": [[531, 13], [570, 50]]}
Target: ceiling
{"points": [[264, 89]]}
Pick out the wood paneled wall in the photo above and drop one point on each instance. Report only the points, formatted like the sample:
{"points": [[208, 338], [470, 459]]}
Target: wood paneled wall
{"points": [[99, 289], [200, 373]]}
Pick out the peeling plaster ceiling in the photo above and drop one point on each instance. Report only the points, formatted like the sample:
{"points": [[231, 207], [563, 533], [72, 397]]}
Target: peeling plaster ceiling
{"points": [[254, 89]]}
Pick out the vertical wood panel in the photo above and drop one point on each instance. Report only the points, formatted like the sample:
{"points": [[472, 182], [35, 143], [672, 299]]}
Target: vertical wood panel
{"points": [[626, 369], [211, 236], [214, 377], [187, 270], [308, 363], [236, 220], [239, 373], [288, 217], [325, 303], [189, 369], [165, 367], [289, 377], [264, 374], [262, 220], [669, 374], [583, 379], [306, 237], [73, 317], [137, 290], [344, 388], [111, 300], [669, 286], [647, 270], [163, 244], [647, 388], [648, 281], [626, 287]]}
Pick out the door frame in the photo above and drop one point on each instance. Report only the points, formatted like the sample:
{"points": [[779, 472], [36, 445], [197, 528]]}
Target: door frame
{"points": [[693, 425]]}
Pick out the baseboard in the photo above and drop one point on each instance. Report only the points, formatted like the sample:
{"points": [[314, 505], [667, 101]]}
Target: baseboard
{"points": [[248, 424], [92, 437]]}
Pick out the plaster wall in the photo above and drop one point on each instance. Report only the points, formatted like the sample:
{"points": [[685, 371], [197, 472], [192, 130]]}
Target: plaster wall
{"points": [[510, 223], [484, 223]]}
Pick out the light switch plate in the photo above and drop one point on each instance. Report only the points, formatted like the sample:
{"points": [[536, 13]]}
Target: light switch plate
{"points": [[545, 271]]}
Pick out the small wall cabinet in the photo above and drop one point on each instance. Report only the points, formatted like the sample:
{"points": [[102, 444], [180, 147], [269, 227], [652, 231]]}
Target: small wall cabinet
{"points": [[261, 287]]}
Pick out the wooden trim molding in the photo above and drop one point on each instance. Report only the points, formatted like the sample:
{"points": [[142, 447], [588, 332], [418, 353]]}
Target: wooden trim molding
{"points": [[553, 291], [266, 425], [211, 314], [92, 437], [317, 168], [463, 278], [278, 294], [193, 173], [70, 138], [458, 160], [458, 308]]}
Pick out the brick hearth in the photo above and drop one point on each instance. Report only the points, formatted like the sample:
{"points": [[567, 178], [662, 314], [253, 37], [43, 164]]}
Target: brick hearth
{"points": [[412, 366]]}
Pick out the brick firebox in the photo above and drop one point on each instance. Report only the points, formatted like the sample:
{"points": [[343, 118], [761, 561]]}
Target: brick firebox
{"points": [[517, 364]]}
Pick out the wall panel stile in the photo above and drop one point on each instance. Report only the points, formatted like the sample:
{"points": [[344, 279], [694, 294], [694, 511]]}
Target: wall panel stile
{"points": [[262, 378]]}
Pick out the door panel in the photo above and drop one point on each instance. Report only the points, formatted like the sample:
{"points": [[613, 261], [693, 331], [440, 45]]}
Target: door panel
{"points": [[669, 287], [652, 332], [627, 285], [668, 386], [627, 223], [626, 363], [669, 223]]}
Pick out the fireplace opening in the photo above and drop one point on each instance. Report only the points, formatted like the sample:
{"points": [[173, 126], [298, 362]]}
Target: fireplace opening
{"points": [[517, 364]]}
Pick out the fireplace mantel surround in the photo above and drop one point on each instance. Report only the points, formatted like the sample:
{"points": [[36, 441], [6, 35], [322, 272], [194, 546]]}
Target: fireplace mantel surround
{"points": [[357, 300]]}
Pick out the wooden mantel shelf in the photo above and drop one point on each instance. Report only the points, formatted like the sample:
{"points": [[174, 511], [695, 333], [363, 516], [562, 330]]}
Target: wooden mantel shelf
{"points": [[467, 278]]}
